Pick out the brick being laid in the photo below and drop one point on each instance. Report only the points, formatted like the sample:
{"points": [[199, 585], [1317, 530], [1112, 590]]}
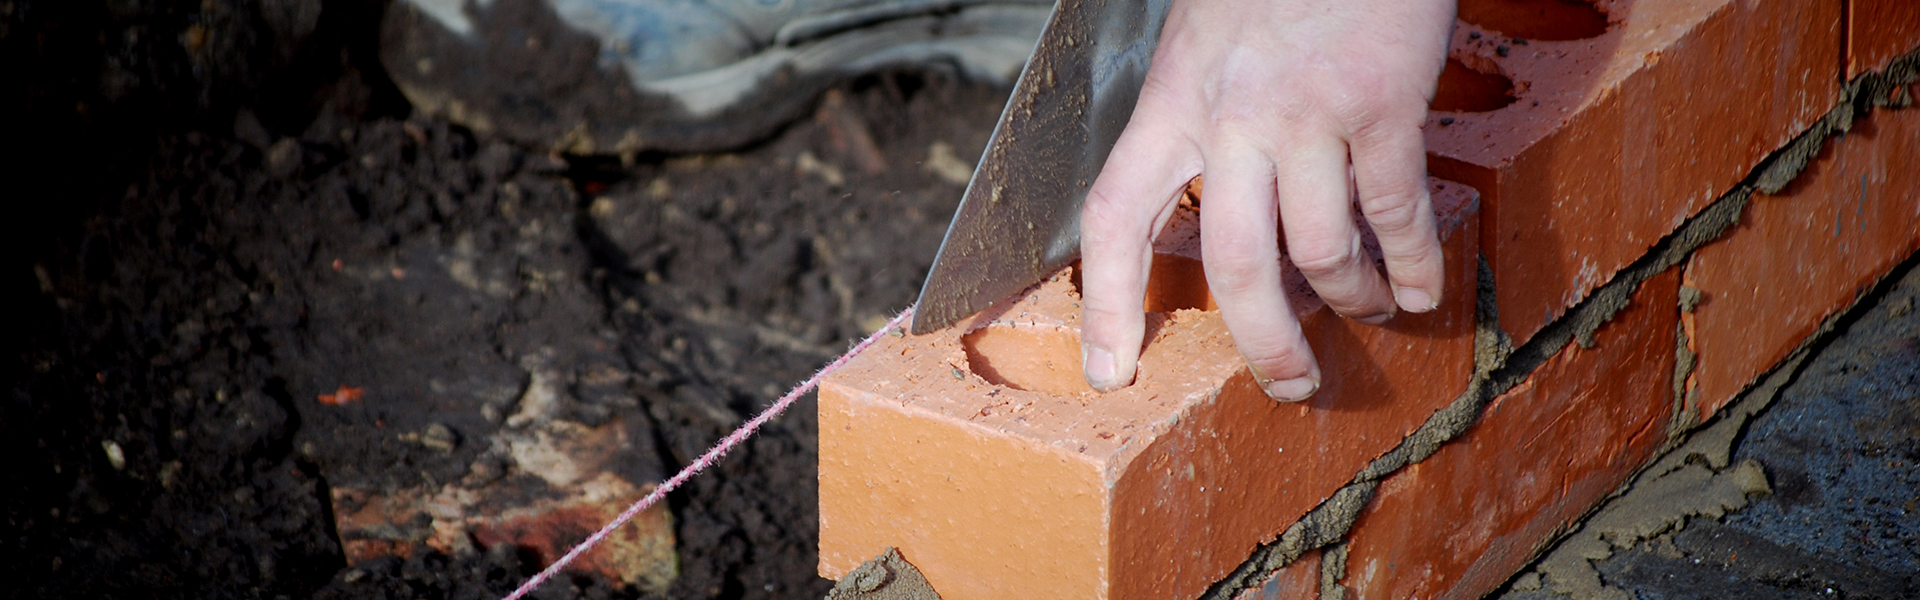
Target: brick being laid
{"points": [[1458, 524], [1638, 125], [1805, 253], [980, 454]]}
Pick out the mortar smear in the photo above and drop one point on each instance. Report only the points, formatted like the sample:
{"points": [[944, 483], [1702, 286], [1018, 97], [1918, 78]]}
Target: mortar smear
{"points": [[887, 577]]}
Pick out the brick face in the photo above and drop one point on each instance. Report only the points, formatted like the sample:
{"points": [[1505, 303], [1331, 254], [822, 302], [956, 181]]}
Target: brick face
{"points": [[1879, 31], [1000, 488], [1799, 256], [1638, 129], [1459, 523]]}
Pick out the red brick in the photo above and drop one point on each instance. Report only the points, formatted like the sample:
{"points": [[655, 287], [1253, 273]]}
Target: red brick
{"points": [[1879, 31], [1634, 130], [1460, 523], [1799, 256], [1028, 485]]}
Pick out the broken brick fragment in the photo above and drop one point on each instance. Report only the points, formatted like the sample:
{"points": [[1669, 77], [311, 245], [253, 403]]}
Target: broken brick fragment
{"points": [[345, 395], [561, 493], [979, 453]]}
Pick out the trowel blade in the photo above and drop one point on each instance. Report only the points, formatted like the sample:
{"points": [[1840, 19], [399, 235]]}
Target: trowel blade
{"points": [[1019, 220]]}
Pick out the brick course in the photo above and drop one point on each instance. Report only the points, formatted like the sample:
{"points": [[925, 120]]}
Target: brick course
{"points": [[1459, 523], [1805, 253], [1638, 129], [980, 453]]}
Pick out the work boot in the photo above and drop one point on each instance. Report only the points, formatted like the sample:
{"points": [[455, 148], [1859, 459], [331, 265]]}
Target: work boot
{"points": [[626, 76]]}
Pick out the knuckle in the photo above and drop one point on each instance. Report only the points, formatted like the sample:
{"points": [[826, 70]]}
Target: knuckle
{"points": [[1324, 259], [1158, 90], [1102, 315], [1277, 358], [1422, 265], [1234, 271], [1108, 218], [1361, 98], [1236, 121], [1373, 118], [1373, 109], [1102, 209], [1393, 213]]}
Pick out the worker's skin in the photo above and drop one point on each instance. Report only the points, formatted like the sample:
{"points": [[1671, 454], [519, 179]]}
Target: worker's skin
{"points": [[1292, 109]]}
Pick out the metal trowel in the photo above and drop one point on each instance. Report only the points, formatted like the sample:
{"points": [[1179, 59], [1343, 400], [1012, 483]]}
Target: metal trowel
{"points": [[1019, 220]]}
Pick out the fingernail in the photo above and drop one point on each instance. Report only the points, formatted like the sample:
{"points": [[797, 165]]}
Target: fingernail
{"points": [[1291, 390], [1099, 367], [1414, 299]]}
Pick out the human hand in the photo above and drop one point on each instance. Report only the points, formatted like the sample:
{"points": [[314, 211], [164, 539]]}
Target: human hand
{"points": [[1291, 108]]}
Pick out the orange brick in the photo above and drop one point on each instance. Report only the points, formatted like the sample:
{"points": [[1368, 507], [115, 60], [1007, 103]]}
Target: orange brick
{"points": [[1028, 485], [1460, 523], [1634, 130], [1879, 31], [1804, 254]]}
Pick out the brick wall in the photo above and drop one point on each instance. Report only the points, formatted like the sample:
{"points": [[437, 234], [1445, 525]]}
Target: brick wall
{"points": [[1667, 198]]}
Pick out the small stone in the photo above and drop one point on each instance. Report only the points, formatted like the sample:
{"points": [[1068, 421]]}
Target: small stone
{"points": [[1527, 583], [1751, 478], [944, 163], [170, 473], [284, 158], [115, 456], [439, 438]]}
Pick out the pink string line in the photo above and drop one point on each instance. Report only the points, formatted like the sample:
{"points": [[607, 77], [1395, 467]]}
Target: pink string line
{"points": [[706, 460]]}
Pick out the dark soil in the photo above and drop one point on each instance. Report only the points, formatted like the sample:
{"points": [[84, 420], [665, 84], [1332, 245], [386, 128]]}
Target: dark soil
{"points": [[226, 212]]}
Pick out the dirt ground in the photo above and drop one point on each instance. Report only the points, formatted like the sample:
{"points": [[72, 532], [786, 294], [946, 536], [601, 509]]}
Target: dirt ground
{"points": [[207, 247], [224, 211]]}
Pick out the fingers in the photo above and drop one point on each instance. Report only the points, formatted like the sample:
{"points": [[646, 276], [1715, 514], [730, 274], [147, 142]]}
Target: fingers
{"points": [[1321, 237], [1389, 168], [1128, 204], [1238, 241]]}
